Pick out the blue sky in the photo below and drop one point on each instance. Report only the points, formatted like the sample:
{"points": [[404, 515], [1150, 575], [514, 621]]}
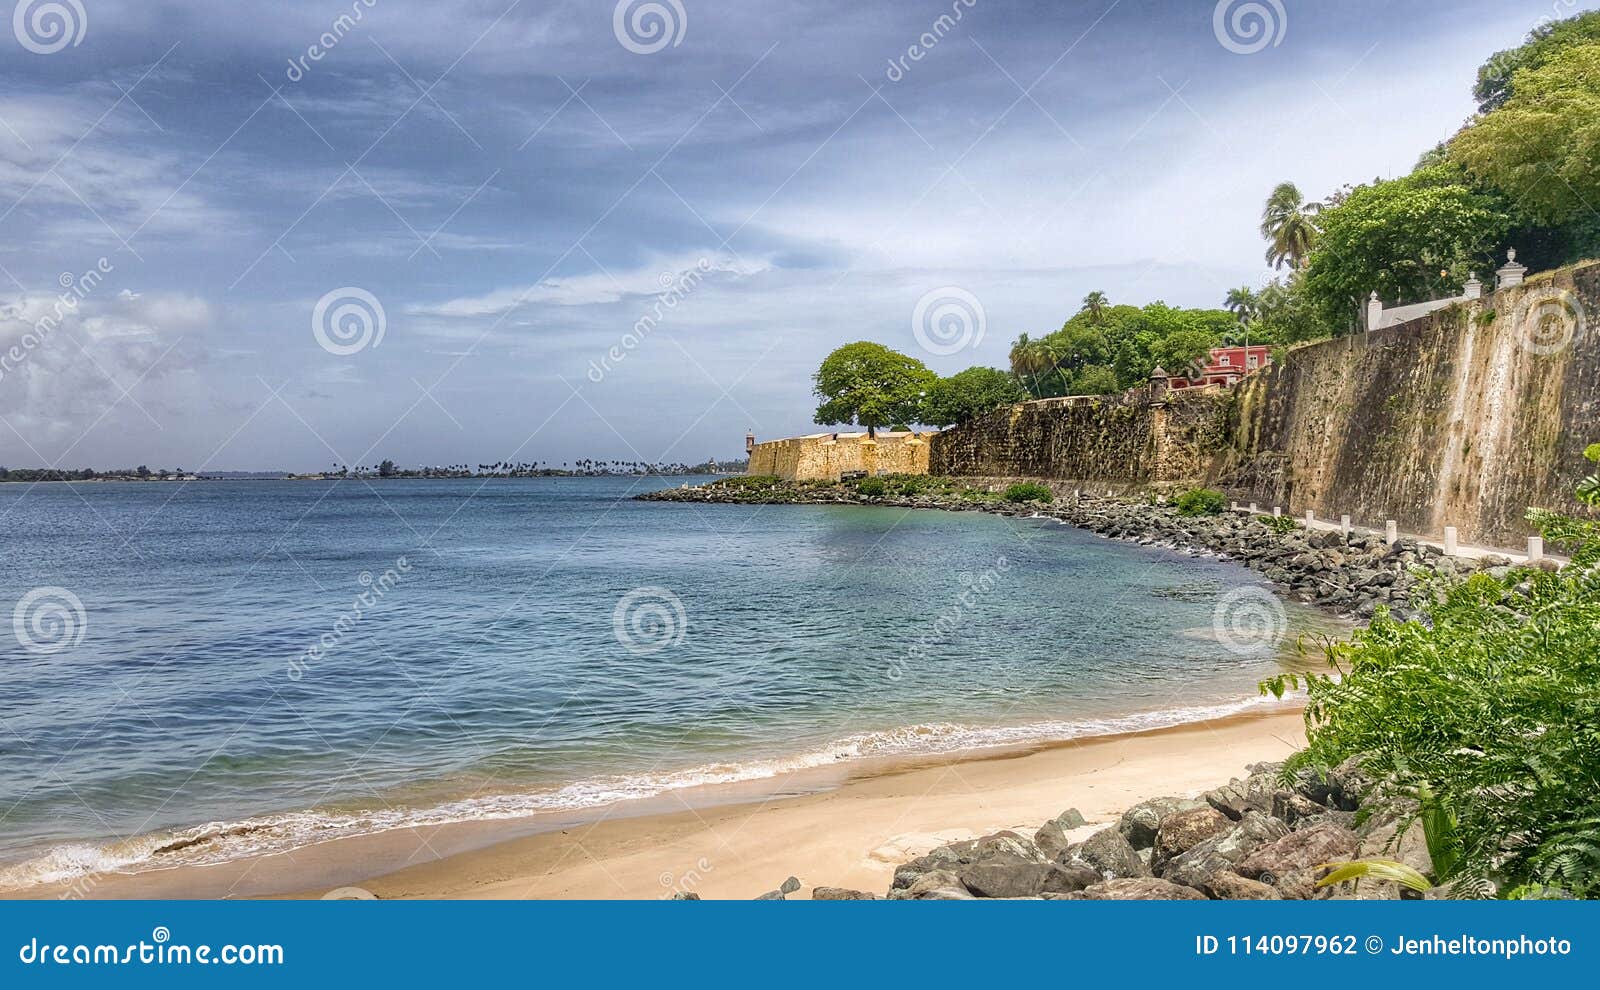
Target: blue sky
{"points": [[516, 183]]}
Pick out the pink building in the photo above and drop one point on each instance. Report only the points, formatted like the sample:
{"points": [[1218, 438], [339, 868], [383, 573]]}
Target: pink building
{"points": [[1226, 366]]}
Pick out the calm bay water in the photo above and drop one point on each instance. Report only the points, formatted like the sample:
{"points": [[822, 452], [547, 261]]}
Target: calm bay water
{"points": [[490, 673]]}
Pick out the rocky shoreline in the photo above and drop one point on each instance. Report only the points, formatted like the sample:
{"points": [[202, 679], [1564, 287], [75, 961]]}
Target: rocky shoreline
{"points": [[1256, 838], [1351, 575]]}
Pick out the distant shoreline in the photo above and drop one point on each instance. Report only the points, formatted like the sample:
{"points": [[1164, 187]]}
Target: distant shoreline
{"points": [[130, 479]]}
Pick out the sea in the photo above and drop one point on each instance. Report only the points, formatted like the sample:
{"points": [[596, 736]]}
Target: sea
{"points": [[206, 671]]}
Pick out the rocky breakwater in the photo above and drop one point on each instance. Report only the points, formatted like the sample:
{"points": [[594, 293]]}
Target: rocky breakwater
{"points": [[1353, 575], [1260, 837]]}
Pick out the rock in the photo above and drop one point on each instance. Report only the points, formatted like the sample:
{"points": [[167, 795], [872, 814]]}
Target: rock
{"points": [[1306, 849], [1006, 875], [1136, 889], [1236, 797], [1070, 819], [771, 895], [939, 885], [1072, 877], [1108, 853], [1194, 867], [841, 894], [688, 895], [790, 885], [1226, 885], [1009, 843], [1051, 840], [1292, 806], [1140, 822], [1349, 784], [1182, 830]]}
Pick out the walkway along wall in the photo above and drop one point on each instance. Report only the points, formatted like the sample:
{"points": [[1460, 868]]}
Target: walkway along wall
{"points": [[1464, 417]]}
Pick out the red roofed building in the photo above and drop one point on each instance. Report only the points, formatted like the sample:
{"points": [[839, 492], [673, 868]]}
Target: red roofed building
{"points": [[1226, 366]]}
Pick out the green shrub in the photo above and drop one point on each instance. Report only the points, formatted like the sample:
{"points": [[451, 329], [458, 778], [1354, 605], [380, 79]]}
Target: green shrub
{"points": [[1487, 716], [1201, 502], [1278, 524], [750, 482], [1029, 491], [872, 487]]}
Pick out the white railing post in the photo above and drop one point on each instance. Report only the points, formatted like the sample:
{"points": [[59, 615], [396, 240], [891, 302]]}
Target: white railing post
{"points": [[1253, 509], [1277, 511], [1450, 541], [1344, 524], [1535, 549], [1391, 532], [1311, 518]]}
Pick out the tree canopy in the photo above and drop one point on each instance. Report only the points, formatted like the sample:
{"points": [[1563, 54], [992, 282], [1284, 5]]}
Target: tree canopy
{"points": [[968, 394], [1497, 77], [870, 385]]}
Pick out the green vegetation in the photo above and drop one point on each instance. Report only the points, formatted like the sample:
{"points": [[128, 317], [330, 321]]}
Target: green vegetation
{"points": [[870, 385], [1201, 502], [872, 487], [968, 395], [1487, 718], [1278, 524], [1029, 491]]}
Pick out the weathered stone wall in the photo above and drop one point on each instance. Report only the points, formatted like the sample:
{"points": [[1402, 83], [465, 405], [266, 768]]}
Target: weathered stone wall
{"points": [[1127, 439], [1462, 418], [825, 456]]}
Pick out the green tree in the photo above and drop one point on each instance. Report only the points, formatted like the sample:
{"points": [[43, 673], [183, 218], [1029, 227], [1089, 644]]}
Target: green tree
{"points": [[1497, 82], [1410, 239], [1242, 303], [1095, 379], [1540, 147], [1288, 225], [386, 469], [1095, 304], [870, 385], [969, 394]]}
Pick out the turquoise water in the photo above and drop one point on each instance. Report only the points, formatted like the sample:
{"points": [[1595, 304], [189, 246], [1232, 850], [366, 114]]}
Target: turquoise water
{"points": [[539, 644]]}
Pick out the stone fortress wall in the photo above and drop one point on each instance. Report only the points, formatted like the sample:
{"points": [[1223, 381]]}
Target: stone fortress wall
{"points": [[826, 456]]}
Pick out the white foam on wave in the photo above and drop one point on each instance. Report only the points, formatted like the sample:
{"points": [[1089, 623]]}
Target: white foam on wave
{"points": [[217, 842]]}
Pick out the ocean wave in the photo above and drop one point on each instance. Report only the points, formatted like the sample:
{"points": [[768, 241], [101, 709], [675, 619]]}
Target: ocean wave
{"points": [[217, 842]]}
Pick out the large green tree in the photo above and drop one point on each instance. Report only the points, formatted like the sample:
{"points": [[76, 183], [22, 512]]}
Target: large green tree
{"points": [[969, 394], [1410, 239], [1497, 82], [870, 385], [1541, 148]]}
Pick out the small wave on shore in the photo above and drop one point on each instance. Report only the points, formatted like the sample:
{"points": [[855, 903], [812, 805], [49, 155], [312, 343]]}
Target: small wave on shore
{"points": [[222, 842]]}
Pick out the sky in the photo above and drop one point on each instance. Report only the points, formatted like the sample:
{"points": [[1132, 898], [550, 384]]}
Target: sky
{"points": [[288, 235]]}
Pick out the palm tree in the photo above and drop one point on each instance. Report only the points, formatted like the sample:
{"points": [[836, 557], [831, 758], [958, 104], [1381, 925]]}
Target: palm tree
{"points": [[1095, 305], [1242, 303], [1287, 224]]}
